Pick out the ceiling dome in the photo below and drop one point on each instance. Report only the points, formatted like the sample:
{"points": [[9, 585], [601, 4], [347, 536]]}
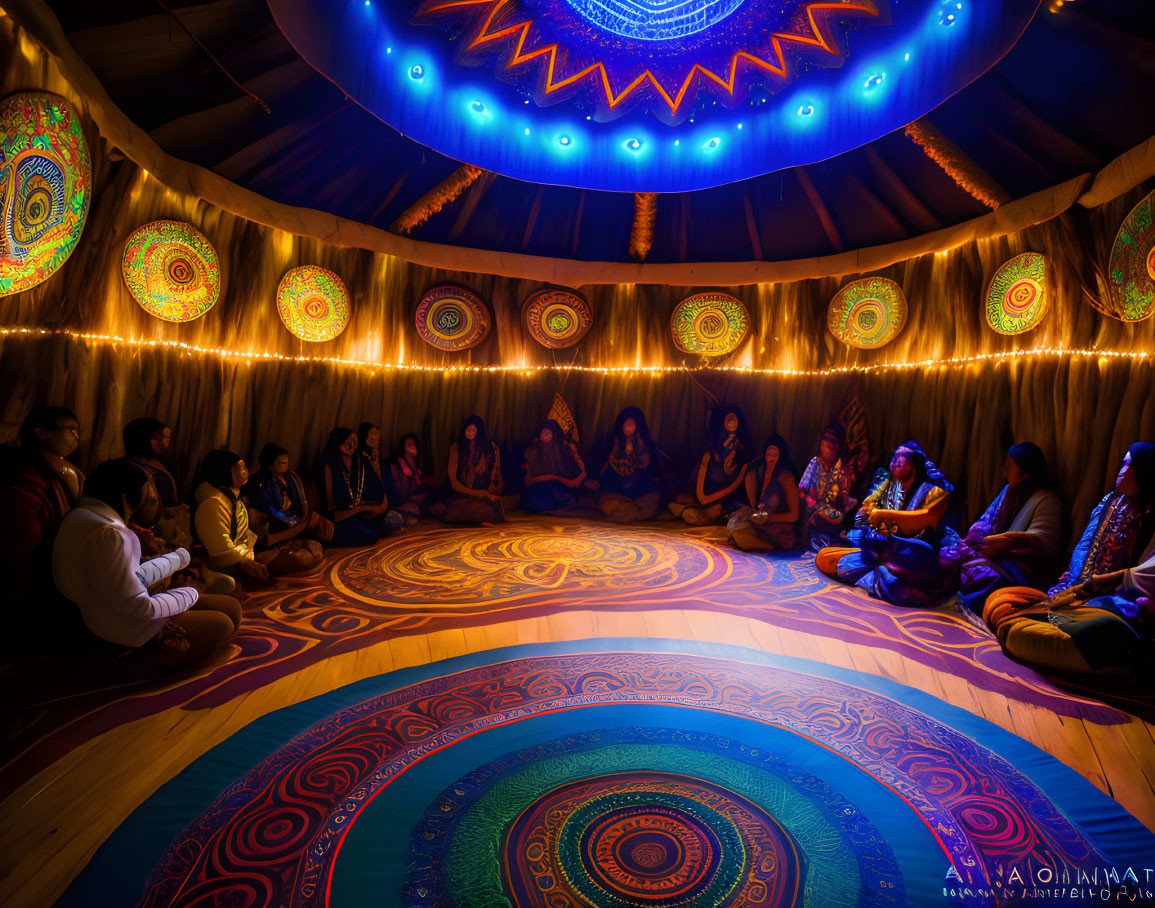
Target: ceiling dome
{"points": [[649, 95]]}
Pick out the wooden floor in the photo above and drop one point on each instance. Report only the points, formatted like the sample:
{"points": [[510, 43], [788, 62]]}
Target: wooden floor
{"points": [[52, 825]]}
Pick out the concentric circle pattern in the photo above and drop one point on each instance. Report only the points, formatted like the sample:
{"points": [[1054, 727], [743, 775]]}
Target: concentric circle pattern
{"points": [[172, 271], [709, 324], [1016, 299], [313, 303], [452, 318], [45, 188], [430, 572], [555, 777], [556, 318], [1131, 272], [867, 313]]}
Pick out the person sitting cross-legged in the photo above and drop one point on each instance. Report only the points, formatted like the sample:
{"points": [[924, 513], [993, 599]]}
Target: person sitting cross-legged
{"points": [[96, 564]]}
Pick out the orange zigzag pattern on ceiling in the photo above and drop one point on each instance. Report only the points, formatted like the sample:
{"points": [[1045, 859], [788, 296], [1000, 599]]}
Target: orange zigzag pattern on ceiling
{"points": [[817, 16]]}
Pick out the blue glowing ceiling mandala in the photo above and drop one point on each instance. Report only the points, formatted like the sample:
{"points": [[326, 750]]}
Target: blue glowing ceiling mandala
{"points": [[649, 95]]}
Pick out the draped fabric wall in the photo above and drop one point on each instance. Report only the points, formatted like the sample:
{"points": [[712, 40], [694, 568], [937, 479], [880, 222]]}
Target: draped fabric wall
{"points": [[1083, 412]]}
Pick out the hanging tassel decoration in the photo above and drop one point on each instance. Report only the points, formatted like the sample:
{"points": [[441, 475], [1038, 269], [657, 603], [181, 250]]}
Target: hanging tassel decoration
{"points": [[642, 234], [957, 164], [437, 198]]}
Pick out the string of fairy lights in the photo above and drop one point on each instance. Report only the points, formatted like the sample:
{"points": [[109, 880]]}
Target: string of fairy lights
{"points": [[531, 370]]}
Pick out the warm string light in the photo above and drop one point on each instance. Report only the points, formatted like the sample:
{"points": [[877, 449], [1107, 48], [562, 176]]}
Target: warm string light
{"points": [[528, 371]]}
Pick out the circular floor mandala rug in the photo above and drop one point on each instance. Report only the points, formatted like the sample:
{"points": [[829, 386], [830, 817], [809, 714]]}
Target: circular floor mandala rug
{"points": [[656, 773]]}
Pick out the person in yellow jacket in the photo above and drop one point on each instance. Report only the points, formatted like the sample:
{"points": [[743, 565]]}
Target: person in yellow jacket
{"points": [[222, 525]]}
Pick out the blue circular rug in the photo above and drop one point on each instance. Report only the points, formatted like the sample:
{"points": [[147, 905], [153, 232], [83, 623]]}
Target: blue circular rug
{"points": [[619, 773]]}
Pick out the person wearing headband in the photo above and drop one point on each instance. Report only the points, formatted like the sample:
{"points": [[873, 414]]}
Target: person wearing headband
{"points": [[900, 550]]}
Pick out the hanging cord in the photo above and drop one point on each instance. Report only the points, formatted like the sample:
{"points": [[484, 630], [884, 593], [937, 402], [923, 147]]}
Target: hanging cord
{"points": [[197, 41]]}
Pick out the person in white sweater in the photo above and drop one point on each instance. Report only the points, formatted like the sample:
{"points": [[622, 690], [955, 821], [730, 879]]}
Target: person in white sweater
{"points": [[96, 563]]}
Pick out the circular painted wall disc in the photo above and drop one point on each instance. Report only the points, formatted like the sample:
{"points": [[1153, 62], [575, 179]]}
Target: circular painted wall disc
{"points": [[1131, 272], [867, 313], [709, 324], [1016, 299], [172, 271], [556, 318], [313, 303], [452, 318], [45, 188]]}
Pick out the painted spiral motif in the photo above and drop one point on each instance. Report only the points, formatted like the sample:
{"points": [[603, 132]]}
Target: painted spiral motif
{"points": [[452, 318], [867, 313], [313, 303], [1131, 272], [1017, 295], [45, 188], [709, 324], [524, 564], [172, 271], [556, 318]]}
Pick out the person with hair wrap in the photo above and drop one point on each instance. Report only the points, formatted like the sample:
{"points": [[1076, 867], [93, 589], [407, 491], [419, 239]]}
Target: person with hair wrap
{"points": [[1017, 539], [96, 563], [902, 553], [1099, 616], [825, 488]]}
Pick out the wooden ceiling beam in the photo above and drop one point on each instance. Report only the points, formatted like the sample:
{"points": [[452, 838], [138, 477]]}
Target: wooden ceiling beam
{"points": [[820, 209]]}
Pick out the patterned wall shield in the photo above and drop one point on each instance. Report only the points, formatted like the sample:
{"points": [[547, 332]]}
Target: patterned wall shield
{"points": [[313, 303], [556, 318], [452, 318], [867, 313], [709, 324], [1131, 272], [45, 188], [1016, 299], [172, 271]]}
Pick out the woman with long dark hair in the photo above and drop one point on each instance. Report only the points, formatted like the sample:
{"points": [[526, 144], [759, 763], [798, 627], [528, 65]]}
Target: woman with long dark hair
{"points": [[770, 521], [409, 479], [630, 470], [342, 478], [719, 483], [553, 471], [472, 490]]}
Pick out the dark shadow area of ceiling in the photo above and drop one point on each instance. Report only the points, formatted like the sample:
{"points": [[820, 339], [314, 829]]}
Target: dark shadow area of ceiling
{"points": [[1074, 93]]}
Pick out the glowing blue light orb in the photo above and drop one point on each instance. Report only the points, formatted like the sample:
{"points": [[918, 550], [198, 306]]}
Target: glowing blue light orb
{"points": [[564, 141], [614, 75]]}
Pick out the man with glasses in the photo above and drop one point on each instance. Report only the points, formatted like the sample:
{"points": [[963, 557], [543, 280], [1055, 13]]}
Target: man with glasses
{"points": [[38, 486]]}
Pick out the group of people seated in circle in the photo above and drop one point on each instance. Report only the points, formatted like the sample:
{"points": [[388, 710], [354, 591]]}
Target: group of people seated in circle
{"points": [[150, 571]]}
